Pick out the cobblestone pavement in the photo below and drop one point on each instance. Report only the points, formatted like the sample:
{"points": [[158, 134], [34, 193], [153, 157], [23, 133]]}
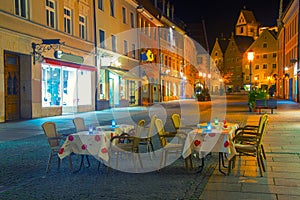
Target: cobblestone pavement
{"points": [[23, 163]]}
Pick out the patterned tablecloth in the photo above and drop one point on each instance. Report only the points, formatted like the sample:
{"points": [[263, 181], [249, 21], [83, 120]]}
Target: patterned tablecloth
{"points": [[219, 139], [96, 143]]}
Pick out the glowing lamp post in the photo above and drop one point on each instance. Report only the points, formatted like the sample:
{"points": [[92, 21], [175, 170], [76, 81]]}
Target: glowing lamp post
{"points": [[250, 58]]}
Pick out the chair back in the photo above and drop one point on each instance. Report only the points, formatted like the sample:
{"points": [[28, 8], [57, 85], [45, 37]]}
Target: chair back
{"points": [[176, 120], [79, 124], [151, 126], [161, 132], [141, 123], [263, 131], [52, 134], [261, 122]]}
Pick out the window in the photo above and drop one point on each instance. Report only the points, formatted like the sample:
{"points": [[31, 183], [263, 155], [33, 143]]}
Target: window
{"points": [[67, 21], [113, 43], [125, 48], [100, 4], [51, 95], [265, 56], [124, 15], [265, 66], [241, 30], [133, 51], [256, 66], [102, 39], [50, 13], [82, 27], [274, 66], [274, 55], [21, 8], [112, 8], [265, 45], [132, 20]]}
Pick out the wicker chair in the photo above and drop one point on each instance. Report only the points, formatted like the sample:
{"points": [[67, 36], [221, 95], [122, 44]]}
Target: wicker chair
{"points": [[127, 144], [167, 147], [253, 147], [249, 132], [80, 126], [146, 139], [55, 142]]}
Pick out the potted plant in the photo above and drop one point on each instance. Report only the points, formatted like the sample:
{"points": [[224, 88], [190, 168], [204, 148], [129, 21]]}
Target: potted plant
{"points": [[255, 94]]}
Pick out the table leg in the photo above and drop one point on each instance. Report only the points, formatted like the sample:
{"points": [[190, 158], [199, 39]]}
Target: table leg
{"points": [[221, 160], [200, 168], [82, 163]]}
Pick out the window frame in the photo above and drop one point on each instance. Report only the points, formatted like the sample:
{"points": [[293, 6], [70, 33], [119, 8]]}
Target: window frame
{"points": [[50, 13], [100, 5], [68, 20], [21, 8], [113, 43], [112, 8], [124, 12], [102, 39], [82, 27]]}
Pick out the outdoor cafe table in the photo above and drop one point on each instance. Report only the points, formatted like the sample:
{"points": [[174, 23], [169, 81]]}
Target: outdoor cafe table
{"points": [[218, 139], [95, 143]]}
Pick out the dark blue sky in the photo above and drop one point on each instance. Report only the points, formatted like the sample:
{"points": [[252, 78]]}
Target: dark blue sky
{"points": [[221, 15]]}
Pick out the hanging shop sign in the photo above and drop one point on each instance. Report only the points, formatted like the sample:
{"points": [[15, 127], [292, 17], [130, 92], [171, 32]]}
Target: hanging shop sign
{"points": [[147, 56]]}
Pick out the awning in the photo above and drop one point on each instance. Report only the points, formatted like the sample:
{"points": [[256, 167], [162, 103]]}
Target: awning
{"points": [[125, 74], [69, 64]]}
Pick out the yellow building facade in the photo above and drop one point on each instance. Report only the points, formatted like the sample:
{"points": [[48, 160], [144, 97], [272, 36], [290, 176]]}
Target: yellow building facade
{"points": [[34, 81]]}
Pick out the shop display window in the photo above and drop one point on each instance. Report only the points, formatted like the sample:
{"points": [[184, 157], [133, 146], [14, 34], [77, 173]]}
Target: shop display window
{"points": [[51, 86]]}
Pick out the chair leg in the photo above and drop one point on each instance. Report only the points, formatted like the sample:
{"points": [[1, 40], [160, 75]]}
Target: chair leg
{"points": [[259, 163], [71, 165], [49, 162], [58, 163], [88, 160], [191, 161], [231, 164], [152, 147], [161, 159], [263, 151], [140, 160], [186, 164]]}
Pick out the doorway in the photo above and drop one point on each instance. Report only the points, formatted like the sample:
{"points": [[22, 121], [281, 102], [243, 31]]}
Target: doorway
{"points": [[12, 86]]}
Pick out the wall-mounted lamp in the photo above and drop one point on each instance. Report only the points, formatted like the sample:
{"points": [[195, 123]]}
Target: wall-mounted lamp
{"points": [[46, 45]]}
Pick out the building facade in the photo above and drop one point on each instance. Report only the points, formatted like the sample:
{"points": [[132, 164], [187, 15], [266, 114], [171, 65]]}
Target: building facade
{"points": [[47, 58]]}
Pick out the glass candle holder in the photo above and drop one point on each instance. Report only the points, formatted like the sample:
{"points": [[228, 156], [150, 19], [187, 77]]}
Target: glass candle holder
{"points": [[216, 121], [113, 123], [91, 129], [208, 126]]}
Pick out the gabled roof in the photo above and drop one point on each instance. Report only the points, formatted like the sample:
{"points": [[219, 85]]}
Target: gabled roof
{"points": [[223, 42], [249, 16], [243, 42]]}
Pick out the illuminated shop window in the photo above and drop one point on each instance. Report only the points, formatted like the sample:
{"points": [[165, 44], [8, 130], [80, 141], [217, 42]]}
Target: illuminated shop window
{"points": [[84, 87], [51, 86]]}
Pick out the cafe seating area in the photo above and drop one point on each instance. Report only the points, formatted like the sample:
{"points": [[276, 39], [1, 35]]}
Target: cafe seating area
{"points": [[120, 146]]}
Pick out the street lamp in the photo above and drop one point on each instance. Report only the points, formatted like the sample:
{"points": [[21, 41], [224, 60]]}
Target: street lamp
{"points": [[250, 58]]}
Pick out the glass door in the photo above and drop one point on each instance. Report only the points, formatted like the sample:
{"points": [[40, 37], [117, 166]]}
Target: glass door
{"points": [[69, 94]]}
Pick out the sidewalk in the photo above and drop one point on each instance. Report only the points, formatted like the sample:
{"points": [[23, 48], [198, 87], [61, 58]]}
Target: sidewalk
{"points": [[24, 153], [282, 179]]}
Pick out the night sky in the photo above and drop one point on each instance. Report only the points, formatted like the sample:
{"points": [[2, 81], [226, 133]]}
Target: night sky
{"points": [[220, 16]]}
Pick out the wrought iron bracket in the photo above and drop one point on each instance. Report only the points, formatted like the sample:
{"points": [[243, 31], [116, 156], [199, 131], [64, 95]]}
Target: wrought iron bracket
{"points": [[46, 45]]}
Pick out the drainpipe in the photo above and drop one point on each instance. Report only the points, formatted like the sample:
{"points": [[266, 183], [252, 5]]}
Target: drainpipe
{"points": [[96, 55]]}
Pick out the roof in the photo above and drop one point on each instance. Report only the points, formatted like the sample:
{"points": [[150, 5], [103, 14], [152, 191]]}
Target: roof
{"points": [[249, 16], [243, 42]]}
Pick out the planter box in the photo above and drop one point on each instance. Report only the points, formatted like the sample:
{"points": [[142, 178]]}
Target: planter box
{"points": [[266, 104], [102, 104]]}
